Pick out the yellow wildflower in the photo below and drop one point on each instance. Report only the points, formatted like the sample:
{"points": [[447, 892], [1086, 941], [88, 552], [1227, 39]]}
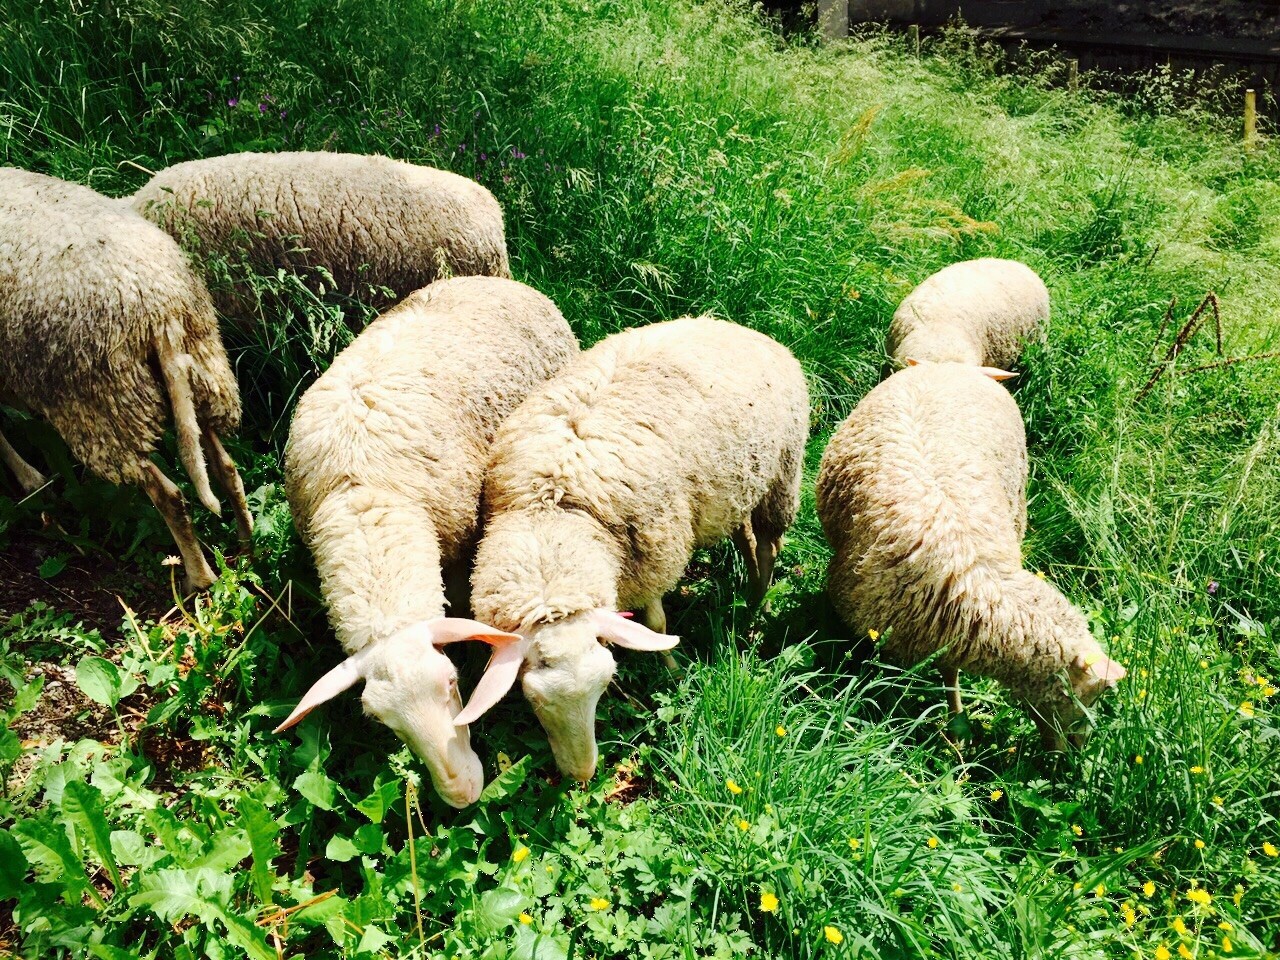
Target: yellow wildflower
{"points": [[1142, 694], [956, 887], [521, 854], [874, 635], [996, 794], [1268, 691], [1077, 830], [1199, 896], [780, 730], [854, 843], [743, 825], [1100, 890], [1204, 664], [932, 843], [1238, 896], [1199, 844], [768, 902], [832, 934], [526, 919], [1224, 925], [1184, 953], [1040, 574], [1077, 886], [1162, 953], [599, 903], [1138, 759], [504, 762], [1218, 801], [1130, 917], [1180, 926], [1226, 945], [1246, 710], [1149, 889], [1197, 769], [732, 787], [1270, 850]]}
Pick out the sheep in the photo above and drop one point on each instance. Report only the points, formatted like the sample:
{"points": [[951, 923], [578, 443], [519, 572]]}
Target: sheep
{"points": [[383, 470], [106, 331], [601, 484], [370, 221], [978, 312], [921, 493]]}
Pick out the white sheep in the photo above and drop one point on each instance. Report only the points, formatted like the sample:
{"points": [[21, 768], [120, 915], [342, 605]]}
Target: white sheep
{"points": [[978, 312], [383, 469], [921, 493], [106, 331], [602, 483], [370, 221]]}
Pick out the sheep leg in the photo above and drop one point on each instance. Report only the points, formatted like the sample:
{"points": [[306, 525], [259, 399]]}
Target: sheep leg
{"points": [[744, 538], [228, 477], [951, 681], [655, 618], [173, 507], [29, 478], [766, 556]]}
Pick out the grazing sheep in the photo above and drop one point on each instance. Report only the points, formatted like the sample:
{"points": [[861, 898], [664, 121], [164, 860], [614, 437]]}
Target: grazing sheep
{"points": [[369, 221], [603, 482], [978, 312], [383, 469], [106, 331], [921, 493]]}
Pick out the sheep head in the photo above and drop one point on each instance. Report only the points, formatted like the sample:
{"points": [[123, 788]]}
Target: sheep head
{"points": [[567, 667], [1064, 717], [413, 688]]}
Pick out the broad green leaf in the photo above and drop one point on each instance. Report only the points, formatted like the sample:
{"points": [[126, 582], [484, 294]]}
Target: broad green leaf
{"points": [[262, 830], [369, 839], [128, 847], [104, 951], [340, 849], [176, 894], [373, 940], [10, 746], [99, 680], [317, 788], [52, 566], [48, 850], [383, 798], [505, 784], [13, 866], [538, 945], [498, 908], [26, 696], [82, 804]]}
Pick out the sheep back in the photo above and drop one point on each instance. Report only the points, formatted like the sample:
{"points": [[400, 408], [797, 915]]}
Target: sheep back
{"points": [[369, 220], [921, 493], [403, 420], [668, 436], [979, 312], [87, 290]]}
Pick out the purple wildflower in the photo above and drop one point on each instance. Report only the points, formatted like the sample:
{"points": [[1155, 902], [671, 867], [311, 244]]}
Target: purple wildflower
{"points": [[283, 114], [462, 148], [262, 107], [233, 101], [1213, 587], [517, 154]]}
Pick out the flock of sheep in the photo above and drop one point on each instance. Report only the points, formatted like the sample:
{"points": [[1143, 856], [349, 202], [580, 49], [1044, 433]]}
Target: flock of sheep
{"points": [[464, 435]]}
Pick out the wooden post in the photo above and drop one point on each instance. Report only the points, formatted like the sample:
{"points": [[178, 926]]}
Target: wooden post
{"points": [[913, 32], [1250, 119], [1073, 75], [833, 19]]}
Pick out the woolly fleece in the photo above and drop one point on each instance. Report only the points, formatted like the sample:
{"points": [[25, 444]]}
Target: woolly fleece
{"points": [[978, 312], [369, 220], [921, 493]]}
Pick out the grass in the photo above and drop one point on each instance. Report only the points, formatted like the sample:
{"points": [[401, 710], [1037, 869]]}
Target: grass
{"points": [[656, 159]]}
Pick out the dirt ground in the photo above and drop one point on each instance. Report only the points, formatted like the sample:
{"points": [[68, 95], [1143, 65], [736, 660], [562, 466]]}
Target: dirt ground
{"points": [[1243, 19]]}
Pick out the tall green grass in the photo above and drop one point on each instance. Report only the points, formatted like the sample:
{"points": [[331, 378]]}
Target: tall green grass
{"points": [[656, 159]]}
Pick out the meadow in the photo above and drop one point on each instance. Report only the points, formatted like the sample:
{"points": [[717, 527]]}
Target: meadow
{"points": [[786, 795]]}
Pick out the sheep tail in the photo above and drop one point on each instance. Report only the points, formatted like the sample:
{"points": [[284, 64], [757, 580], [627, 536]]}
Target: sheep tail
{"points": [[176, 368]]}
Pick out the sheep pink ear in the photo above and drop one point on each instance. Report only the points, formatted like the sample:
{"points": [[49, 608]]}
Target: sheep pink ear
{"points": [[342, 677], [1101, 669], [452, 629], [995, 373], [614, 628], [912, 362], [499, 675]]}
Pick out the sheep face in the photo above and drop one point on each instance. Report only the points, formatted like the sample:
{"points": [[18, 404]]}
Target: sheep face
{"points": [[940, 343], [413, 688], [566, 671], [1062, 717]]}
